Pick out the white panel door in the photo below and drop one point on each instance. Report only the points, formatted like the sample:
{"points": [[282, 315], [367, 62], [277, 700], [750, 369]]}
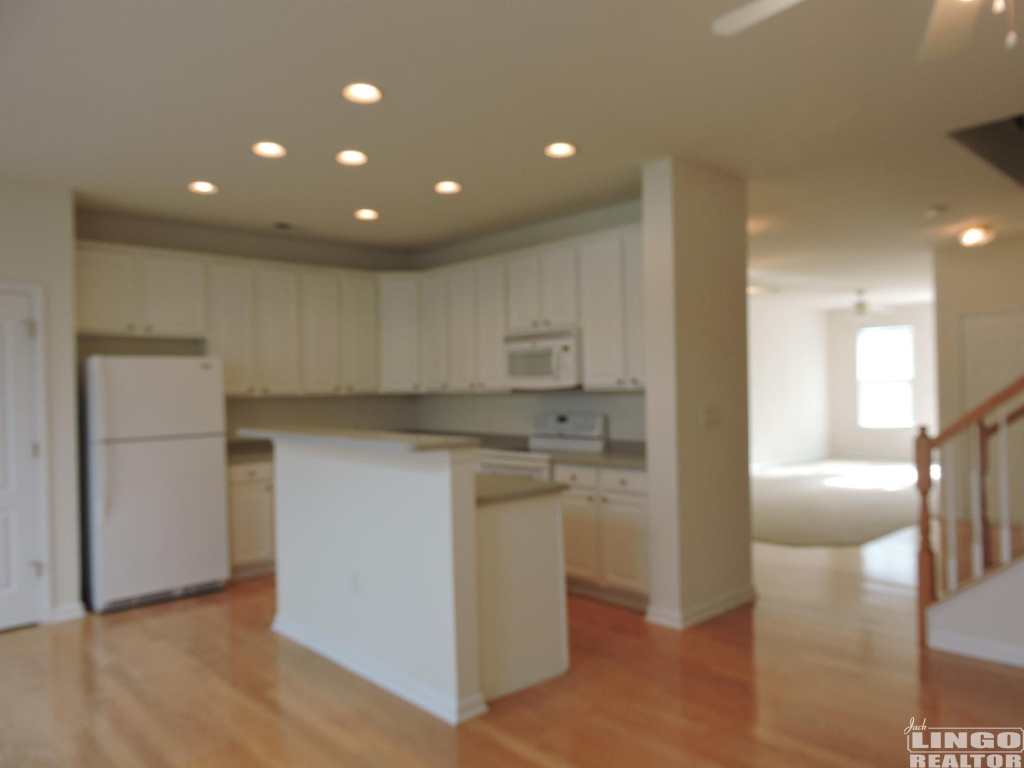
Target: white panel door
{"points": [[463, 328], [602, 313], [172, 297], [434, 350], [399, 333], [230, 303], [319, 332], [624, 543], [580, 531], [359, 337], [633, 258], [20, 583], [524, 304], [277, 330], [559, 282], [252, 523], [491, 324], [107, 290]]}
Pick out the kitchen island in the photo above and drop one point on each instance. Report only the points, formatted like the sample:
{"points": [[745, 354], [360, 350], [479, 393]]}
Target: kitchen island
{"points": [[386, 565]]}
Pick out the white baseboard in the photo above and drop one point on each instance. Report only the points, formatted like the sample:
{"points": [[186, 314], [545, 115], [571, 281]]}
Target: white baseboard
{"points": [[437, 703], [674, 619], [976, 648], [65, 612]]}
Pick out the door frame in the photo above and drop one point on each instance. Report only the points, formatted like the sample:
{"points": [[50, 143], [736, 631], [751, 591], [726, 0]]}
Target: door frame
{"points": [[40, 431]]}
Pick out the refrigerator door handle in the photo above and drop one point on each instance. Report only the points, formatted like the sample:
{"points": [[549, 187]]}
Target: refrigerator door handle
{"points": [[105, 492]]}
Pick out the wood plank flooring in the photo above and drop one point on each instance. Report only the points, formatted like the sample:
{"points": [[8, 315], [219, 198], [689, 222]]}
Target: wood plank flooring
{"points": [[823, 671]]}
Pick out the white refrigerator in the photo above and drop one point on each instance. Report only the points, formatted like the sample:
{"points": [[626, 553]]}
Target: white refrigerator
{"points": [[156, 522]]}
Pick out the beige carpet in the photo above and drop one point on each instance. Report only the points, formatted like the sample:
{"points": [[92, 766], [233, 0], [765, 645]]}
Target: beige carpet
{"points": [[833, 503]]}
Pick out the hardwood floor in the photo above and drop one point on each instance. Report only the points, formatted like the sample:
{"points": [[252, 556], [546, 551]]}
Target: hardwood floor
{"points": [[824, 670]]}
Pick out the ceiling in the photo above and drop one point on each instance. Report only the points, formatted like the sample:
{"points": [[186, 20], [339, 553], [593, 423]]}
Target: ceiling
{"points": [[841, 131]]}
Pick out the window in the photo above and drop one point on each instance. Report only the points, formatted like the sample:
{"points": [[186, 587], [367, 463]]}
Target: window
{"points": [[885, 377]]}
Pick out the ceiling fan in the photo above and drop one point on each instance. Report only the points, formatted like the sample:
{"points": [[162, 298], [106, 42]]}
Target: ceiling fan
{"points": [[862, 309], [949, 28]]}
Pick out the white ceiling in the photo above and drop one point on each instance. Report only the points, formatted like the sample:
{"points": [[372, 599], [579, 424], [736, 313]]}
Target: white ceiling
{"points": [[825, 108]]}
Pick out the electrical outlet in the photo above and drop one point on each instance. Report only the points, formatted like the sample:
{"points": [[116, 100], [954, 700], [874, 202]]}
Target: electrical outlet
{"points": [[711, 417]]}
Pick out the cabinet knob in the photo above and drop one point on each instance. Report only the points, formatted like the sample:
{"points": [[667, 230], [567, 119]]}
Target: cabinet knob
{"points": [[572, 476], [270, 487], [149, 329], [622, 481], [131, 326], [620, 382], [547, 322], [337, 387], [348, 388], [635, 380], [590, 498], [266, 390], [444, 385]]}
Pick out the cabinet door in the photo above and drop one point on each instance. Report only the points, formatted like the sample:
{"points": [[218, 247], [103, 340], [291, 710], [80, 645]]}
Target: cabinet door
{"points": [[229, 296], [624, 543], [277, 330], [603, 319], [524, 303], [559, 287], [580, 531], [491, 324], [633, 256], [463, 330], [173, 297], [107, 288], [434, 350], [399, 333], [319, 331], [359, 342], [252, 524]]}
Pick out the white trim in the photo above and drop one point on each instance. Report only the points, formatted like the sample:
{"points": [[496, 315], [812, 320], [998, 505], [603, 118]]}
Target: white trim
{"points": [[437, 703], [673, 619], [37, 349], [65, 612], [987, 650]]}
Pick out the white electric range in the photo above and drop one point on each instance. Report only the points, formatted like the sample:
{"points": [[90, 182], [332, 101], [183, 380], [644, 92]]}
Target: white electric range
{"points": [[551, 433]]}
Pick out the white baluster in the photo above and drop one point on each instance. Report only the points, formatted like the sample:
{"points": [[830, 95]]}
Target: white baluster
{"points": [[977, 540], [1005, 541], [949, 499]]}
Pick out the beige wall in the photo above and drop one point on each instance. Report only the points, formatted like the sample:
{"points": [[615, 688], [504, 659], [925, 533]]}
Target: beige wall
{"points": [[987, 279], [846, 439], [788, 361], [390, 412], [36, 247], [559, 228], [138, 230], [510, 414]]}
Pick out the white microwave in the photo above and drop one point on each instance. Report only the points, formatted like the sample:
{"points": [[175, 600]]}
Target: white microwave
{"points": [[543, 359]]}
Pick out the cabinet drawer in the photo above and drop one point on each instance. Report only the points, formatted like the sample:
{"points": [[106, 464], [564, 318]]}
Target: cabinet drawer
{"points": [[623, 481], [255, 472], [582, 477]]}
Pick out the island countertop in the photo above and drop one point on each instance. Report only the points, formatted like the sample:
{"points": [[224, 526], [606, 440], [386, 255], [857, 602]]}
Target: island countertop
{"points": [[494, 489], [369, 440]]}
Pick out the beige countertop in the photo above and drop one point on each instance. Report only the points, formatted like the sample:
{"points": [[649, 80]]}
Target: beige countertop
{"points": [[369, 440], [494, 489], [610, 459]]}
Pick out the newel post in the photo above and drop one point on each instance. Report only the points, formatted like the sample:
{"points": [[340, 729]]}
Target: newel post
{"points": [[926, 558]]}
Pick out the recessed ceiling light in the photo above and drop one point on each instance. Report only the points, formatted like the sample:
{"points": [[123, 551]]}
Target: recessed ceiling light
{"points": [[447, 187], [998, 6], [351, 157], [269, 149], [367, 214], [975, 236], [362, 93], [560, 149], [203, 188]]}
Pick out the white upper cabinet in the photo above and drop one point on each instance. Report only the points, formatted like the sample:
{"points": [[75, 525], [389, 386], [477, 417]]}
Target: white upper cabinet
{"points": [[633, 255], [277, 330], [434, 342], [398, 296], [462, 328], [543, 288], [491, 323], [230, 300], [602, 302], [107, 288], [359, 342], [172, 296], [320, 328], [559, 281]]}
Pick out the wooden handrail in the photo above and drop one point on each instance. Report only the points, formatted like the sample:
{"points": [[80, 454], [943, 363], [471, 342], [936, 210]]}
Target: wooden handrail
{"points": [[978, 413]]}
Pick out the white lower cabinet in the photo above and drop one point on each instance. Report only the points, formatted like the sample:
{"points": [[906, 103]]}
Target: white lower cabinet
{"points": [[605, 527], [252, 515]]}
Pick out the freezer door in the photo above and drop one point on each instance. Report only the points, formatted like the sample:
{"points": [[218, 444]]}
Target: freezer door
{"points": [[158, 518], [146, 397]]}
